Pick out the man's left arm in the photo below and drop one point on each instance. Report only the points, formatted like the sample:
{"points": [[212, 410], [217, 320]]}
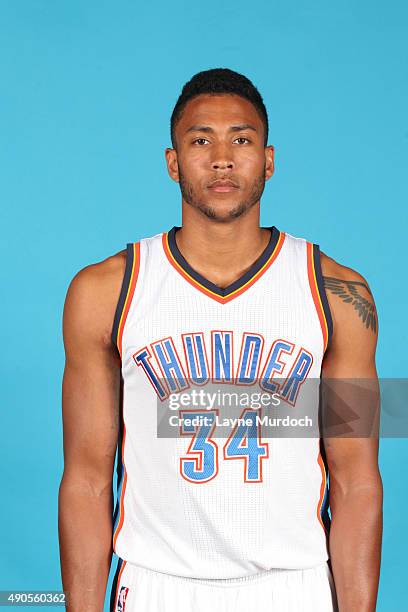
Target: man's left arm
{"points": [[355, 482]]}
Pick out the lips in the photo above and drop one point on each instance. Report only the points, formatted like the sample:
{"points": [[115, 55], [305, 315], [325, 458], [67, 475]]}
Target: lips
{"points": [[221, 185]]}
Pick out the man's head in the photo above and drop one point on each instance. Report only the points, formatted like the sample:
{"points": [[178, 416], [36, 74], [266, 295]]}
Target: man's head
{"points": [[219, 133]]}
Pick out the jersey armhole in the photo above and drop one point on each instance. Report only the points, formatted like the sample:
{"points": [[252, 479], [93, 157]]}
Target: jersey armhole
{"points": [[126, 293], [316, 283]]}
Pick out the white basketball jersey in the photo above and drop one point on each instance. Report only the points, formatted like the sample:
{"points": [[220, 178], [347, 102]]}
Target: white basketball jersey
{"points": [[184, 507]]}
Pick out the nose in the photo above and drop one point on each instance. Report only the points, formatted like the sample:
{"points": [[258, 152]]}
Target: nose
{"points": [[222, 159]]}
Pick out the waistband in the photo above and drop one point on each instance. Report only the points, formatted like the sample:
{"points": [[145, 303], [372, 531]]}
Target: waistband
{"points": [[270, 574]]}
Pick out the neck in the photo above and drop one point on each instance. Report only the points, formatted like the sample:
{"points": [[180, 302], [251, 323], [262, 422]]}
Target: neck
{"points": [[221, 251]]}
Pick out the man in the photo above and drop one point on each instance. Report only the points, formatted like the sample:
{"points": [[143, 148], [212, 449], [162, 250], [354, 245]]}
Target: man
{"points": [[193, 530]]}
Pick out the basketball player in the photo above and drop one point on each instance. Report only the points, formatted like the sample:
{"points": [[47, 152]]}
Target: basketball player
{"points": [[223, 299]]}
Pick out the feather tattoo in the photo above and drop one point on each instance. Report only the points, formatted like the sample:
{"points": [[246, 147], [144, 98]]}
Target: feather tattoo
{"points": [[348, 291]]}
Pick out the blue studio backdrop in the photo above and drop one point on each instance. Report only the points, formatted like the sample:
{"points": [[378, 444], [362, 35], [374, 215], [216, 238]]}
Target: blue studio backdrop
{"points": [[87, 89]]}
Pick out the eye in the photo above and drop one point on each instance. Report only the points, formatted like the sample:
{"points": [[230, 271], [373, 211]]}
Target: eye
{"points": [[242, 138], [199, 141]]}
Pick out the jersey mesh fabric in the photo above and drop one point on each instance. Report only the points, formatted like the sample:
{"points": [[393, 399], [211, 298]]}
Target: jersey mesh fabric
{"points": [[224, 528]]}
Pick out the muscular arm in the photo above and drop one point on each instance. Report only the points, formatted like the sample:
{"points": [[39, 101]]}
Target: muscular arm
{"points": [[90, 397], [355, 482]]}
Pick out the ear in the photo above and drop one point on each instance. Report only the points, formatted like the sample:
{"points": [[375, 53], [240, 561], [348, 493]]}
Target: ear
{"points": [[269, 161], [172, 166]]}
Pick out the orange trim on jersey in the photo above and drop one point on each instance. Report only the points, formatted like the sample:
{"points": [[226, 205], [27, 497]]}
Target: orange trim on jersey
{"points": [[322, 488], [115, 605], [122, 493], [130, 292], [311, 272], [233, 294]]}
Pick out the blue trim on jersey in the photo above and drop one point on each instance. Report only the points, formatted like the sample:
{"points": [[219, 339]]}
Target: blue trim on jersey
{"points": [[322, 292], [223, 291], [115, 585], [324, 510], [119, 466], [123, 293]]}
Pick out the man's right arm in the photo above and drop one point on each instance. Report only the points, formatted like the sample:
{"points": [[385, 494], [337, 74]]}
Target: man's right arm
{"points": [[90, 408]]}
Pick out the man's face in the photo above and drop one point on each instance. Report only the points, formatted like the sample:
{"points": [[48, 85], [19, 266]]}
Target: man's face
{"points": [[221, 162]]}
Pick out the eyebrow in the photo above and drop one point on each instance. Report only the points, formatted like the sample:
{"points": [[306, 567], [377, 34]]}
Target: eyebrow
{"points": [[233, 128]]}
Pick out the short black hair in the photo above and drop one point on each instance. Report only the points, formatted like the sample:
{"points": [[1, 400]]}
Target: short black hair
{"points": [[217, 81]]}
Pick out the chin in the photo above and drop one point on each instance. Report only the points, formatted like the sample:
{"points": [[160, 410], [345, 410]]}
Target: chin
{"points": [[223, 211]]}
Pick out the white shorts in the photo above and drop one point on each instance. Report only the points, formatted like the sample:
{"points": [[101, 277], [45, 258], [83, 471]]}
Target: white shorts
{"points": [[136, 589]]}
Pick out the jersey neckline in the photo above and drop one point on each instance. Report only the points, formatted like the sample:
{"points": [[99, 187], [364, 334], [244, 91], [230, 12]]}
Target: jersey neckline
{"points": [[222, 294]]}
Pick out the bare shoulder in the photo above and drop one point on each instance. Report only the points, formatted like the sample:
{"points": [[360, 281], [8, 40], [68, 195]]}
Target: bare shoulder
{"points": [[92, 298], [332, 268], [355, 321], [349, 295]]}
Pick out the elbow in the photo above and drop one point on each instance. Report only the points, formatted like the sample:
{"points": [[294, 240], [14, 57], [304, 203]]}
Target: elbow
{"points": [[94, 486], [366, 494]]}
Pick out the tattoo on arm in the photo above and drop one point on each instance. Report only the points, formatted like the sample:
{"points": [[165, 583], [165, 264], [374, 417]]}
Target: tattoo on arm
{"points": [[348, 291]]}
